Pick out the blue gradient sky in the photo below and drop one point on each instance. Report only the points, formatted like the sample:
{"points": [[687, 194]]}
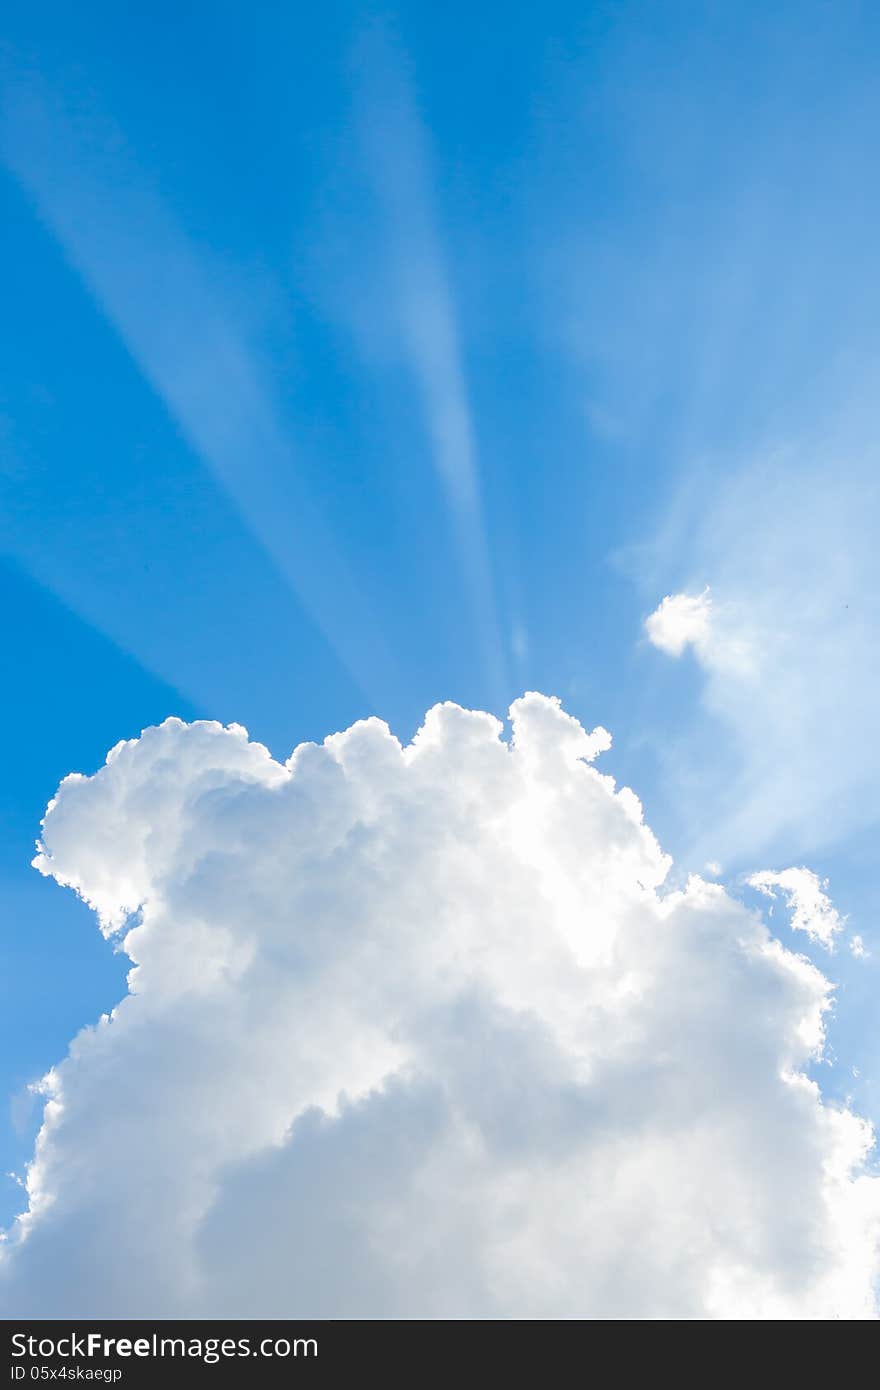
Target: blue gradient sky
{"points": [[356, 359]]}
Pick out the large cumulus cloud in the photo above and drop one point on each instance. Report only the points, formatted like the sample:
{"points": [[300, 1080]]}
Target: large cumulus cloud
{"points": [[417, 1031]]}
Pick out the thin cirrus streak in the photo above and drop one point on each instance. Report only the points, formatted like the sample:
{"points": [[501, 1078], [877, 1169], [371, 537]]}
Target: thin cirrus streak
{"points": [[150, 283], [396, 151]]}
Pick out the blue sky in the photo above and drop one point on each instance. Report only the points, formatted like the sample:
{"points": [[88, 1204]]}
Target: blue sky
{"points": [[356, 359]]}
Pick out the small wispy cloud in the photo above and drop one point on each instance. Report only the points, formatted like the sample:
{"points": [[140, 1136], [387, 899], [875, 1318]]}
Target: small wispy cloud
{"points": [[787, 647], [680, 621], [812, 911]]}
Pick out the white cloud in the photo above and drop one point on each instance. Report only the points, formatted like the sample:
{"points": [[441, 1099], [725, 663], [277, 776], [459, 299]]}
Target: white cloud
{"points": [[811, 909], [790, 763], [680, 621], [414, 1031], [719, 634]]}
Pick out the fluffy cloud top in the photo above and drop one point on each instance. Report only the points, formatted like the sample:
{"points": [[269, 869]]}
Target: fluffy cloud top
{"points": [[415, 1031]]}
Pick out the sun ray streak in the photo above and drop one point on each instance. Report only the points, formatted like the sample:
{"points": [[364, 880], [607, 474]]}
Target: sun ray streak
{"points": [[399, 161], [153, 286]]}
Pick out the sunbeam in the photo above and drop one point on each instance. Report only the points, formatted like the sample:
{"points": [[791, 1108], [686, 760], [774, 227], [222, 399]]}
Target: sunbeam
{"points": [[169, 309]]}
